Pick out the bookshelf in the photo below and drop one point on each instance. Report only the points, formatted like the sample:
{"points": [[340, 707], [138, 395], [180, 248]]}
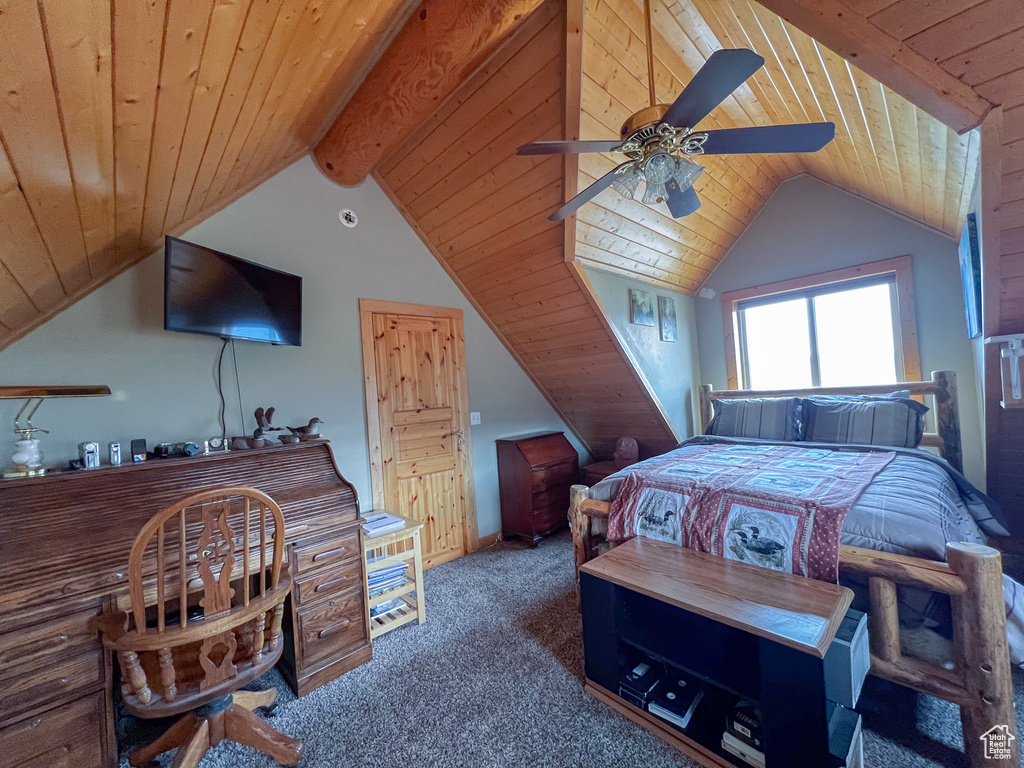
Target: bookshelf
{"points": [[385, 551]]}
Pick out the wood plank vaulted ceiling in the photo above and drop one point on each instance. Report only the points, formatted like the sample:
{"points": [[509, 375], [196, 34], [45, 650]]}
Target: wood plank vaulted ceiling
{"points": [[122, 120]]}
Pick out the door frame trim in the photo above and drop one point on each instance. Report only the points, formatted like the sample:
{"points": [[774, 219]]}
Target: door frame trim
{"points": [[368, 308]]}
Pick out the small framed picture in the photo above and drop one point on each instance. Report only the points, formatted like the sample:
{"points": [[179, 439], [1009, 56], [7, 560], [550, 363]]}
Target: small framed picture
{"points": [[641, 307], [667, 316]]}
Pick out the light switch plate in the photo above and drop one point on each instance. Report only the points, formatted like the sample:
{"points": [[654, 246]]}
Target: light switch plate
{"points": [[474, 417]]}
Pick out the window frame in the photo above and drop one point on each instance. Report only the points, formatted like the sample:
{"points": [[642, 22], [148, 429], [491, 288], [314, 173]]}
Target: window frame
{"points": [[896, 271]]}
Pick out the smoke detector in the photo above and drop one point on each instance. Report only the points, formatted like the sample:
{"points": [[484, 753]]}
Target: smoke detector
{"points": [[348, 217]]}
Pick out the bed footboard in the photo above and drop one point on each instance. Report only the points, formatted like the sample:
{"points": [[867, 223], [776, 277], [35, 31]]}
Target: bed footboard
{"points": [[980, 683]]}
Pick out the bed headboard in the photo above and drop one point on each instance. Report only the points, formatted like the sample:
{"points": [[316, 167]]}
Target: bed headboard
{"points": [[941, 390]]}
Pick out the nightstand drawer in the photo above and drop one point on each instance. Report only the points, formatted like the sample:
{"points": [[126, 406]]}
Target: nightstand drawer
{"points": [[328, 583]]}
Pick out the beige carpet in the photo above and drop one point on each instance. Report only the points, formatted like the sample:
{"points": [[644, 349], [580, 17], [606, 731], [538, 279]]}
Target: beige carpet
{"points": [[494, 678]]}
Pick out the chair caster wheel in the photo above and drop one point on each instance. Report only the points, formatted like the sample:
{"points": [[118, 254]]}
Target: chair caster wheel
{"points": [[271, 710]]}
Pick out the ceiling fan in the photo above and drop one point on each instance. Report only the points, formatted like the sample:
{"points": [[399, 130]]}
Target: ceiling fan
{"points": [[660, 139]]}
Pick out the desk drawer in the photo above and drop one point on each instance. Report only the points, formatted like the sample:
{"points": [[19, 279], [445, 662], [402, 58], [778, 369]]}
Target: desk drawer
{"points": [[70, 736], [328, 628], [556, 474], [322, 554], [57, 681], [328, 583], [43, 644]]}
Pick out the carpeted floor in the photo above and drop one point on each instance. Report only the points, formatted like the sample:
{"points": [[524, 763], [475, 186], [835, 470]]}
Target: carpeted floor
{"points": [[494, 678]]}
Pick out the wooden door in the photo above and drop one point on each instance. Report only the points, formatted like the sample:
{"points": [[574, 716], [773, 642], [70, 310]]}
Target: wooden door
{"points": [[417, 412]]}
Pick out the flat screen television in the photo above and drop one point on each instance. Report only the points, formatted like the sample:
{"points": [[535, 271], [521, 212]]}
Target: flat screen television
{"points": [[206, 291]]}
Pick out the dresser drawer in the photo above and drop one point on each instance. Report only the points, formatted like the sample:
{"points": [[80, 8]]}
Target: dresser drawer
{"points": [[70, 736], [328, 583], [323, 554], [58, 680], [547, 520], [556, 474], [40, 645], [328, 628], [551, 499]]}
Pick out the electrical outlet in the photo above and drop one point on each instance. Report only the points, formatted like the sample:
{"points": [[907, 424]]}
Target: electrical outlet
{"points": [[474, 418]]}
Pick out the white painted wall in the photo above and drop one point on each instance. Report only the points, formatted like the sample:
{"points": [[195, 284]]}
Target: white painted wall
{"points": [[671, 367], [807, 227], [163, 382]]}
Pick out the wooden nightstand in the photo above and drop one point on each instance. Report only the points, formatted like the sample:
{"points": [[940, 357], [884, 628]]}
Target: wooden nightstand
{"points": [[386, 550]]}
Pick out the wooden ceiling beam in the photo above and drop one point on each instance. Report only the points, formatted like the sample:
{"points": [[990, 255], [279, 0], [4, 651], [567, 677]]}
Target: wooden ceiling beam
{"points": [[440, 46], [918, 79]]}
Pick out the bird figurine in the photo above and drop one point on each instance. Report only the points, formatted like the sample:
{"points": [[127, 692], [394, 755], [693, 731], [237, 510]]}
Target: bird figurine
{"points": [[263, 419], [309, 432]]}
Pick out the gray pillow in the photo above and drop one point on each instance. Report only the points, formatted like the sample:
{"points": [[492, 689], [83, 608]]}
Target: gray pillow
{"points": [[890, 420], [768, 418]]}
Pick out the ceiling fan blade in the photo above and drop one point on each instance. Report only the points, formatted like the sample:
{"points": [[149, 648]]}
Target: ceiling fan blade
{"points": [[567, 147], [681, 203], [802, 137], [723, 72], [585, 196]]}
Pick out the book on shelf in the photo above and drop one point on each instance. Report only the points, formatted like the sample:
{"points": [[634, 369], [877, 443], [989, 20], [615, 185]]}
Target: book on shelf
{"points": [[387, 607], [380, 523]]}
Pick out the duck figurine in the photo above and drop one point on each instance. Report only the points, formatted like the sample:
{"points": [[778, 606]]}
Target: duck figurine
{"points": [[754, 542], [309, 432], [263, 419]]}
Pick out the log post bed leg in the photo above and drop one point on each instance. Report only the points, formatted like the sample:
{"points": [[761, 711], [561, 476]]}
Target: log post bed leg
{"points": [[884, 627], [580, 523], [982, 650]]}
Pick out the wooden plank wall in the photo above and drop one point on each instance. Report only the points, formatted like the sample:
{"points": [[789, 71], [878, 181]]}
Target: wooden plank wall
{"points": [[982, 44], [121, 120], [483, 212]]}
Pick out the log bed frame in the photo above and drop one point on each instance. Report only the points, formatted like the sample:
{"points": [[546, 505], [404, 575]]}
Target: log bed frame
{"points": [[980, 683]]}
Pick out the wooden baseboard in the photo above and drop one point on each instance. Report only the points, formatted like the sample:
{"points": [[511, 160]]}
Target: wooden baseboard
{"points": [[486, 541]]}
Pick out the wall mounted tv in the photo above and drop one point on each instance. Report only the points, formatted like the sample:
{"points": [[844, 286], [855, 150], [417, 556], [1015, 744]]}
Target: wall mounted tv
{"points": [[206, 291]]}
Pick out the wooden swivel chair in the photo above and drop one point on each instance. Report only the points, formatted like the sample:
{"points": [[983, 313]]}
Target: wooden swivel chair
{"points": [[207, 590]]}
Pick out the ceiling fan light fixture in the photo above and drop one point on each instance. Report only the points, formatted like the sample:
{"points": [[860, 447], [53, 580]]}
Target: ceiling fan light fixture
{"points": [[659, 168], [654, 193], [686, 172], [627, 182]]}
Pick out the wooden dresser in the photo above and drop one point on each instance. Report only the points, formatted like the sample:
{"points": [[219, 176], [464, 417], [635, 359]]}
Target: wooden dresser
{"points": [[534, 475], [64, 542]]}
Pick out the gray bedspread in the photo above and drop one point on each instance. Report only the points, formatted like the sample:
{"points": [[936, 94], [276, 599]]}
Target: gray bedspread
{"points": [[915, 506]]}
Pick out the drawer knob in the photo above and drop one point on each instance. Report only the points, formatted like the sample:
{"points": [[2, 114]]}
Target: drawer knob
{"points": [[328, 631]]}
